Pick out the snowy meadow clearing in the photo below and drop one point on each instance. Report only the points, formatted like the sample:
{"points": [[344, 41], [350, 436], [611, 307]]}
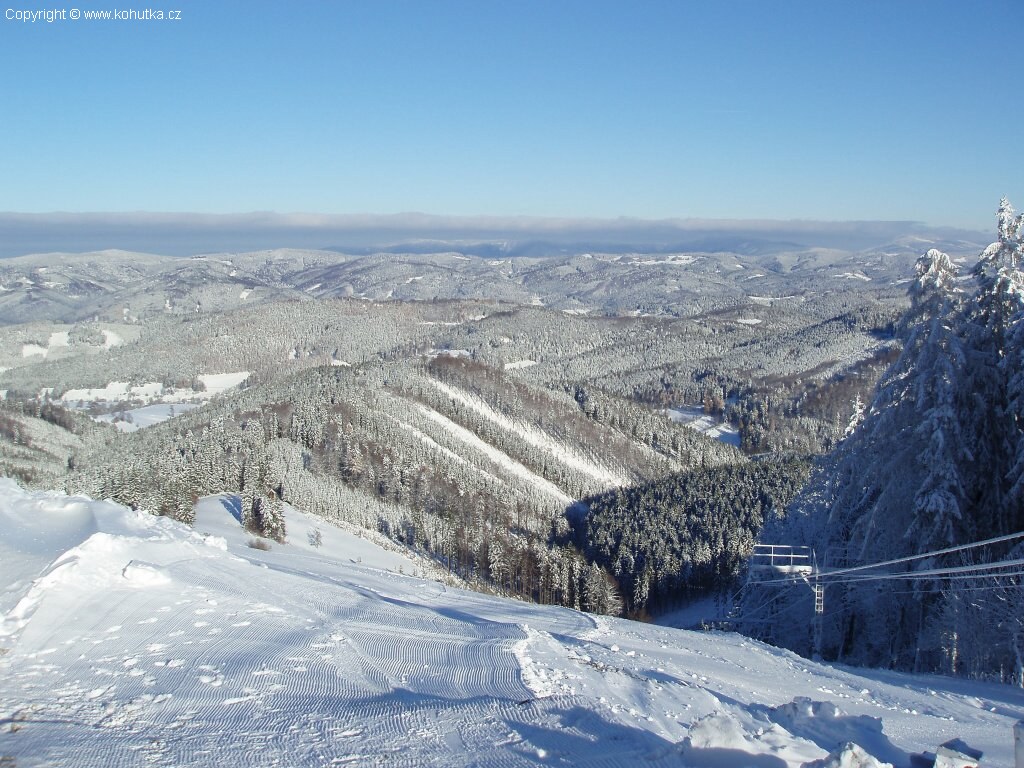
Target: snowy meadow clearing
{"points": [[129, 639]]}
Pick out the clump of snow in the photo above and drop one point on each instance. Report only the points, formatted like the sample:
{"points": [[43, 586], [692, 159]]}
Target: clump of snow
{"points": [[518, 364], [849, 755], [144, 574], [749, 321], [826, 725], [721, 740], [534, 676]]}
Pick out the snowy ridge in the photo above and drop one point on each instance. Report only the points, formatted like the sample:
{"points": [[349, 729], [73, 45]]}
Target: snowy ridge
{"points": [[535, 437]]}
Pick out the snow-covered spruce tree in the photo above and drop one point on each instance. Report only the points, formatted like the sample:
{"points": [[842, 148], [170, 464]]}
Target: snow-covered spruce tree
{"points": [[991, 333], [937, 462], [939, 360]]}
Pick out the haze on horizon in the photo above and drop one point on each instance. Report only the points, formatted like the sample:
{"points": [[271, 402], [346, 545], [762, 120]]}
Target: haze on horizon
{"points": [[192, 234]]}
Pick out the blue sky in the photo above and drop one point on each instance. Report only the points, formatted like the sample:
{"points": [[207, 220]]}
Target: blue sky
{"points": [[775, 109]]}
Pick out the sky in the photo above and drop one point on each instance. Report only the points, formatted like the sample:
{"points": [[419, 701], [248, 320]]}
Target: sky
{"points": [[768, 109]]}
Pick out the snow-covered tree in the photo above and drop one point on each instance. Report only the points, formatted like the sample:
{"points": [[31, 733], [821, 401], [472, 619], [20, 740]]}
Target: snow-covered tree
{"points": [[856, 417], [937, 462]]}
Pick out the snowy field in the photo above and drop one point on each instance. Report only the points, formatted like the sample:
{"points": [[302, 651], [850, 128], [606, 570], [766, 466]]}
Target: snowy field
{"points": [[132, 640], [121, 391], [146, 416], [695, 418]]}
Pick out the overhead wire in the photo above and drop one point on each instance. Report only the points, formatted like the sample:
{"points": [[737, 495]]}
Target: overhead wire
{"points": [[829, 577], [935, 553]]}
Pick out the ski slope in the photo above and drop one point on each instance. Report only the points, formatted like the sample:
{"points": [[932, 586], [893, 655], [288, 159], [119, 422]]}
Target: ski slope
{"points": [[132, 640], [535, 437]]}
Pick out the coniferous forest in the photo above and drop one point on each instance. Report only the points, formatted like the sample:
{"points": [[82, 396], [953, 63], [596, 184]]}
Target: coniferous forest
{"points": [[936, 465]]}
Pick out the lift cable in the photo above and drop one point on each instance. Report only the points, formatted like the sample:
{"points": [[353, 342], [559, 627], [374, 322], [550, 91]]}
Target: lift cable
{"points": [[830, 576]]}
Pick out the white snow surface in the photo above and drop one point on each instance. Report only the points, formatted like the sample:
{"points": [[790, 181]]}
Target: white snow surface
{"points": [[118, 391], [59, 339], [146, 416], [535, 437], [694, 417], [221, 382], [133, 640], [111, 339], [499, 457], [518, 364]]}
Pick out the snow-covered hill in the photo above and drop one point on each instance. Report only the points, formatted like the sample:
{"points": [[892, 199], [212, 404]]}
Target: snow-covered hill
{"points": [[131, 640]]}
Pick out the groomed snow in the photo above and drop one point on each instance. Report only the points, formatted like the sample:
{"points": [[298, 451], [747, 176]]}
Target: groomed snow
{"points": [[132, 640]]}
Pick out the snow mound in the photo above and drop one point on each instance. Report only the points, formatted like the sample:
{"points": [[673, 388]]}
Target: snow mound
{"points": [[720, 740], [847, 756], [144, 574], [823, 723]]}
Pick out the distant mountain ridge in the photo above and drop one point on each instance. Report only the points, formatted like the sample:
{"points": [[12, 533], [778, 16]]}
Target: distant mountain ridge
{"points": [[580, 277], [183, 234]]}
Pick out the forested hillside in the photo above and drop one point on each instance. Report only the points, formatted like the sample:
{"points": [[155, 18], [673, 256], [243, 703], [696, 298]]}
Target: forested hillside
{"points": [[667, 540], [469, 408], [937, 463]]}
